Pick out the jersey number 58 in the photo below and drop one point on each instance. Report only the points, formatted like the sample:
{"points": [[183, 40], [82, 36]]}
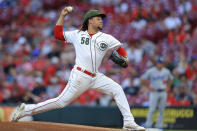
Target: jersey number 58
{"points": [[85, 40]]}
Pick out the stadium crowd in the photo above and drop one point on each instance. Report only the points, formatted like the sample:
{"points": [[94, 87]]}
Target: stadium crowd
{"points": [[34, 66]]}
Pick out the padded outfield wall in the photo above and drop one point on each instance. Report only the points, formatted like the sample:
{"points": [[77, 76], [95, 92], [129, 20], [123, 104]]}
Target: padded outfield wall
{"points": [[174, 117]]}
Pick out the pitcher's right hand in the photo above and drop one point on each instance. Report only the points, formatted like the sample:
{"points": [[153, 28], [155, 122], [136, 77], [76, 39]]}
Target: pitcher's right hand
{"points": [[66, 10]]}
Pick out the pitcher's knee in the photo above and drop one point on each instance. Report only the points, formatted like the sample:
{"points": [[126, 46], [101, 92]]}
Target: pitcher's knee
{"points": [[117, 90], [61, 103]]}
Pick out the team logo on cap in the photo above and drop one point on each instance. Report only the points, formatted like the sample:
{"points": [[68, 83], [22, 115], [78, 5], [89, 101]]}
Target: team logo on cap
{"points": [[102, 46]]}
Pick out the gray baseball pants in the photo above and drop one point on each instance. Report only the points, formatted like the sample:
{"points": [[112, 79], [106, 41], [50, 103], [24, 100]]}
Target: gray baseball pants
{"points": [[157, 100]]}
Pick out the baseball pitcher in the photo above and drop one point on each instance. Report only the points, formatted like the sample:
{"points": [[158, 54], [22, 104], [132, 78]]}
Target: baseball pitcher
{"points": [[160, 80], [91, 47]]}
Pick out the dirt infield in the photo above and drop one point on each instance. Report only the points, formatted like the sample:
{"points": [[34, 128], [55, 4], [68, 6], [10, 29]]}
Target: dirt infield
{"points": [[47, 126]]}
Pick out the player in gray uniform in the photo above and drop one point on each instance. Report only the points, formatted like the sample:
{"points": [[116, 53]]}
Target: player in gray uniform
{"points": [[158, 79]]}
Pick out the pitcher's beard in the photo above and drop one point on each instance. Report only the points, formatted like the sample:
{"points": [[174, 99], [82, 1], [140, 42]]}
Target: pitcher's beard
{"points": [[100, 28]]}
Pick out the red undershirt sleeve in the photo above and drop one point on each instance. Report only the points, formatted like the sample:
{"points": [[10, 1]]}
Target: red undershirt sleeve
{"points": [[58, 32], [121, 51]]}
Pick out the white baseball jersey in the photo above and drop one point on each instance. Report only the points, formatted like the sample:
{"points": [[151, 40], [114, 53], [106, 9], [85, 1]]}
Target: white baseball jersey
{"points": [[158, 78], [90, 50], [89, 55]]}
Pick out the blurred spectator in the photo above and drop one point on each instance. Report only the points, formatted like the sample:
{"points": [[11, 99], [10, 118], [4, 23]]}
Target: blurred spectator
{"points": [[40, 89], [54, 87], [17, 93], [135, 52], [131, 85], [185, 7], [183, 96], [191, 70], [148, 47], [138, 24], [30, 98], [33, 62], [172, 21], [25, 79], [139, 12]]}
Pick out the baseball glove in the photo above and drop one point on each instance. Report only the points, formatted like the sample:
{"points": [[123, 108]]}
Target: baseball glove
{"points": [[119, 60]]}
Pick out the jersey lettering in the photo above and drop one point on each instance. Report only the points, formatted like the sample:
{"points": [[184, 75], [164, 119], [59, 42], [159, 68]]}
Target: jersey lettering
{"points": [[162, 77], [85, 40], [90, 51]]}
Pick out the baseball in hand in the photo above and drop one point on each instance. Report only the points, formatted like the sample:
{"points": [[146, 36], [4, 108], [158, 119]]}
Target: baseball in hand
{"points": [[69, 8]]}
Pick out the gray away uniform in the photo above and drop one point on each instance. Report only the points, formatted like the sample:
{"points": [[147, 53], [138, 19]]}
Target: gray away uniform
{"points": [[158, 81]]}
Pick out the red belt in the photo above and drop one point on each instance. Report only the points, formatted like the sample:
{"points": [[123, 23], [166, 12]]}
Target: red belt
{"points": [[86, 72]]}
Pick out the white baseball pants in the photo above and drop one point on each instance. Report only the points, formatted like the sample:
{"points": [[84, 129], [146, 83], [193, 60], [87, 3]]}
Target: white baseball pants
{"points": [[77, 84]]}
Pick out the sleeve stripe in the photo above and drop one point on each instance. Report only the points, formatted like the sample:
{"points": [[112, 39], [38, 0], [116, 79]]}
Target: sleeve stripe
{"points": [[58, 32], [121, 51]]}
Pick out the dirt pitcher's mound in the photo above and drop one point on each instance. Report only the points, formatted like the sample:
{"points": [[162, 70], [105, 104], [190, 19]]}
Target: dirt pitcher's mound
{"points": [[47, 126]]}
